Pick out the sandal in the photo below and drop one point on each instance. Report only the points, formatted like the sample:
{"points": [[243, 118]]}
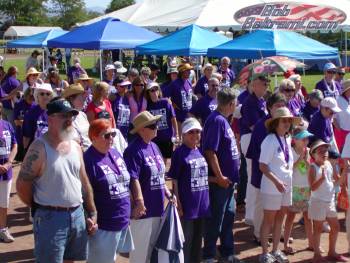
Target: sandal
{"points": [[289, 251]]}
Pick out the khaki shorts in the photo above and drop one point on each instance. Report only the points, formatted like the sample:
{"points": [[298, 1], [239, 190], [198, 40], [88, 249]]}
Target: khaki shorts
{"points": [[5, 190], [320, 210], [275, 202]]}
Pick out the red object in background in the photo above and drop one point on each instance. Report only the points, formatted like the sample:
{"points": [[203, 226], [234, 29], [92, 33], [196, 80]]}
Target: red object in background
{"points": [[340, 136], [288, 73]]}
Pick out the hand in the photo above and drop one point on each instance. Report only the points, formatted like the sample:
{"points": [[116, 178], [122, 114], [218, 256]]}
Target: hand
{"points": [[3, 169], [223, 181], [139, 210], [281, 187], [173, 200], [91, 225]]}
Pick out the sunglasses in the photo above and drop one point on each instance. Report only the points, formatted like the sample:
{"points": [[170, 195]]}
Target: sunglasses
{"points": [[108, 135], [194, 132], [341, 73], [330, 72], [152, 126], [153, 89], [288, 90], [214, 85], [45, 94], [262, 78]]}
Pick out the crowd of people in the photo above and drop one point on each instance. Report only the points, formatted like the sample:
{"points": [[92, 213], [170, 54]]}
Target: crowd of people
{"points": [[96, 157]]}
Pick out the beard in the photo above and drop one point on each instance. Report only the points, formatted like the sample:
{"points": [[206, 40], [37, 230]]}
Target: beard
{"points": [[67, 132]]}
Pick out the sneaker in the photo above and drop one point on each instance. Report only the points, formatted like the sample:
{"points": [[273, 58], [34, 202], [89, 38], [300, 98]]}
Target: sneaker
{"points": [[280, 256], [267, 258], [5, 236]]}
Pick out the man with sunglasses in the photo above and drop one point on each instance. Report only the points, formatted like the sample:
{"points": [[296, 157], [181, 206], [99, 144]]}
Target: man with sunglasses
{"points": [[339, 77], [327, 85], [53, 181]]}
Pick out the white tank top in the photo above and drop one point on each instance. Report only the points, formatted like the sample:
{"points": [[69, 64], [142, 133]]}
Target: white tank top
{"points": [[325, 192], [60, 183]]}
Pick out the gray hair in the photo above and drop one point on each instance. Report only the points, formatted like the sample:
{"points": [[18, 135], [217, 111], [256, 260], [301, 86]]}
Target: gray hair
{"points": [[213, 79], [225, 58], [133, 72], [226, 96], [286, 83], [76, 60]]}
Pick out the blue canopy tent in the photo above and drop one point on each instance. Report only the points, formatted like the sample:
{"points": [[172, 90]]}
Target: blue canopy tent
{"points": [[108, 33], [37, 40], [188, 41], [265, 43]]}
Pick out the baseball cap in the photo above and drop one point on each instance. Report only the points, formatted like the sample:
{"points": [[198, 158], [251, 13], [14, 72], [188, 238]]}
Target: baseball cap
{"points": [[191, 124], [330, 103], [109, 66], [60, 106], [329, 67]]}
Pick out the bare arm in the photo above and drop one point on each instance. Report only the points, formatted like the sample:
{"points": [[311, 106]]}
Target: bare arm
{"points": [[315, 184], [213, 163], [11, 156], [137, 197], [264, 168], [90, 116], [175, 127], [31, 168]]}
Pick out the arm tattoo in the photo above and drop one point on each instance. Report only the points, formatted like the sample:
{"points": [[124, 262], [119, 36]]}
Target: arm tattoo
{"points": [[27, 173]]}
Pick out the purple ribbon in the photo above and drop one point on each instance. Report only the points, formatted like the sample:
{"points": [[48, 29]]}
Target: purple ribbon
{"points": [[285, 149]]}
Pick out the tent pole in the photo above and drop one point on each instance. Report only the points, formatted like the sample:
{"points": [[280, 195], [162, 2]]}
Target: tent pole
{"points": [[43, 59], [100, 64], [304, 68], [346, 48]]}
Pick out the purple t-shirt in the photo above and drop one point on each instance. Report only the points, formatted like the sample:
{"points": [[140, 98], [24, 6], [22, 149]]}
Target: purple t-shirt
{"points": [[181, 96], [110, 180], [201, 86], [190, 169], [218, 137], [328, 89], [145, 163], [7, 140], [258, 135], [308, 111], [121, 110], [241, 98], [228, 77], [252, 110], [321, 128], [203, 107], [20, 109], [74, 73], [165, 89], [294, 107], [35, 123], [8, 85], [165, 127]]}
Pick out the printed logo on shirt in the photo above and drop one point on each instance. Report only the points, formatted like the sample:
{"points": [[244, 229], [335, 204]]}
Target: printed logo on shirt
{"points": [[329, 93], [118, 184], [186, 98], [234, 149], [123, 115], [213, 106], [41, 128], [157, 167], [206, 87], [162, 123], [5, 143], [199, 174]]}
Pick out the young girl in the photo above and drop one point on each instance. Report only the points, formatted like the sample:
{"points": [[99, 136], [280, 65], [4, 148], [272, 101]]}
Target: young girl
{"points": [[301, 188], [322, 204]]}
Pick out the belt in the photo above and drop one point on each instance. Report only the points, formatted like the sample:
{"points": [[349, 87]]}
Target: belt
{"points": [[58, 208]]}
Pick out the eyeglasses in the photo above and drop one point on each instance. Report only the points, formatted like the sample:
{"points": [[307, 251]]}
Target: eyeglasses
{"points": [[152, 126], [108, 135], [194, 132], [153, 89], [45, 94], [289, 90]]}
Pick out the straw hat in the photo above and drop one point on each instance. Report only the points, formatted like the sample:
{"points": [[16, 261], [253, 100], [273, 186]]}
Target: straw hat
{"points": [[184, 67], [32, 71], [84, 77], [283, 113], [317, 144], [346, 86], [73, 90], [142, 120]]}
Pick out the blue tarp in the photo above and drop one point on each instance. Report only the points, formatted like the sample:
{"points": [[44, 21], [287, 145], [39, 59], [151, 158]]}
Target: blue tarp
{"points": [[107, 33], [37, 40], [188, 41], [265, 43]]}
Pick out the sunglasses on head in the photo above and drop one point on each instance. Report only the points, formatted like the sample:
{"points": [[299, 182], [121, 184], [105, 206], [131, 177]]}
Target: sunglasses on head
{"points": [[152, 126], [45, 93], [108, 135]]}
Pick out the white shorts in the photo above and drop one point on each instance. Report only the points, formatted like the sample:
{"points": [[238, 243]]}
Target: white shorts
{"points": [[320, 210], [5, 190], [275, 202]]}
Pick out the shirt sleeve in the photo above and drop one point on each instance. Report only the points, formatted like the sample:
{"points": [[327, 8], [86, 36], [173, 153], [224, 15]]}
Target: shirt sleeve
{"points": [[175, 167], [13, 134], [16, 110], [212, 136], [28, 125], [267, 151], [133, 162], [171, 110]]}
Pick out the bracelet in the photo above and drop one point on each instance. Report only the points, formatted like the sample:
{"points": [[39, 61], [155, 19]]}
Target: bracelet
{"points": [[92, 214]]}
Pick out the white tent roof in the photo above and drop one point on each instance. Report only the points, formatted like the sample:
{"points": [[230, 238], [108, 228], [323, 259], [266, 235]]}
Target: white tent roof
{"points": [[171, 14], [23, 31]]}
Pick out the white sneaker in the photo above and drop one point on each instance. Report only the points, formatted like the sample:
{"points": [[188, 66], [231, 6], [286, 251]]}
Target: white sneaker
{"points": [[280, 256], [267, 258], [5, 236]]}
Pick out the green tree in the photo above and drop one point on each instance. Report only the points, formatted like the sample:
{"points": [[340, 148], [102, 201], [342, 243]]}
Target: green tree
{"points": [[118, 4], [25, 12]]}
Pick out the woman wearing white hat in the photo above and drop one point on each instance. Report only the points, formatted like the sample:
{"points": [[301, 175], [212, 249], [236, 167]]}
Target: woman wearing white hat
{"points": [[201, 87], [276, 164]]}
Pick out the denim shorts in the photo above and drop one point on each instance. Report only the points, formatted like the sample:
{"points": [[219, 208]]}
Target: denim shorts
{"points": [[59, 235]]}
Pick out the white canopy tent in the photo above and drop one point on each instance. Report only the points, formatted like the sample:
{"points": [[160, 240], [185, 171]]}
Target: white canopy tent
{"points": [[14, 32], [160, 15]]}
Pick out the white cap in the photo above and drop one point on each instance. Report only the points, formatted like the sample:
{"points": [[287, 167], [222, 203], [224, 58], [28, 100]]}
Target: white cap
{"points": [[44, 86], [109, 66], [119, 67], [330, 103], [191, 124]]}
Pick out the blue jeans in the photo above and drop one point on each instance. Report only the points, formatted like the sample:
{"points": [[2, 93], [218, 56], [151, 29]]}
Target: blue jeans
{"points": [[59, 235], [220, 223]]}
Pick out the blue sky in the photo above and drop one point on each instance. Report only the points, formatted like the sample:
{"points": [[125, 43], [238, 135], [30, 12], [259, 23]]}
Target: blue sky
{"points": [[101, 3]]}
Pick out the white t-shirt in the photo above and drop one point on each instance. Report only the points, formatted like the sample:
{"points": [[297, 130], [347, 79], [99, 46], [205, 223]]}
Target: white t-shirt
{"points": [[119, 143], [346, 154], [272, 155], [81, 130], [300, 179], [343, 117], [325, 192]]}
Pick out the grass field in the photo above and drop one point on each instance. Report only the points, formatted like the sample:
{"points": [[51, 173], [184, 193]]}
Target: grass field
{"points": [[309, 80]]}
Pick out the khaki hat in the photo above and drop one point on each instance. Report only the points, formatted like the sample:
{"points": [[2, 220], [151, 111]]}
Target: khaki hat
{"points": [[346, 86], [283, 113], [143, 119], [32, 71], [317, 144], [73, 90], [84, 77], [184, 67]]}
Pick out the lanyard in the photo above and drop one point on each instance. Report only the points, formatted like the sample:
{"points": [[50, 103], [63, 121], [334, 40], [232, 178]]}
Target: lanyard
{"points": [[284, 148]]}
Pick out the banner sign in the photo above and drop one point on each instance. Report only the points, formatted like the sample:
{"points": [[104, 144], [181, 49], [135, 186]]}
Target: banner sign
{"points": [[289, 16]]}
